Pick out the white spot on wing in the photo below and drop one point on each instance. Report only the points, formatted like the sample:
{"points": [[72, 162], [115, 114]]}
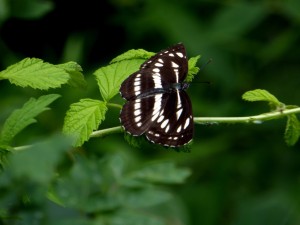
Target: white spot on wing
{"points": [[176, 75], [167, 128], [157, 80], [178, 113], [178, 129], [187, 122], [137, 88], [137, 119], [156, 70], [160, 118], [179, 105], [179, 54], [137, 112], [171, 54], [164, 124], [157, 106], [137, 105], [160, 60], [174, 65], [158, 64], [139, 124]]}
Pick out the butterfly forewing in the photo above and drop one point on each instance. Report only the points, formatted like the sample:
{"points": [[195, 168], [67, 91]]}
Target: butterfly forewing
{"points": [[166, 67], [172, 63], [157, 104]]}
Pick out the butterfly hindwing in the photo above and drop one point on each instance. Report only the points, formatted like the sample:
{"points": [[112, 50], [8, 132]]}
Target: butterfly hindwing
{"points": [[174, 124], [136, 114]]}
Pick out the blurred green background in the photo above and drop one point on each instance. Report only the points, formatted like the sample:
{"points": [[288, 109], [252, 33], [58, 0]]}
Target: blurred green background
{"points": [[241, 174]]}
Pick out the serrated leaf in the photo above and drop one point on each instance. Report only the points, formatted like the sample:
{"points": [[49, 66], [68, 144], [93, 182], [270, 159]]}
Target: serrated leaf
{"points": [[109, 78], [292, 130], [162, 172], [133, 54], [261, 95], [75, 72], [82, 118], [39, 161], [193, 69], [35, 73], [23, 117]]}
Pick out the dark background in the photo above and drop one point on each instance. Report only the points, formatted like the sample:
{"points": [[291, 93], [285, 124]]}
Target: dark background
{"points": [[242, 174]]}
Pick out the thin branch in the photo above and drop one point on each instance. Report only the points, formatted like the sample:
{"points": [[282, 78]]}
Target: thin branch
{"points": [[114, 105], [247, 119], [104, 132], [257, 119], [21, 148]]}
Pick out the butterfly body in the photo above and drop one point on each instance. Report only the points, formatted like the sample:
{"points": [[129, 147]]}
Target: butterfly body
{"points": [[157, 104]]}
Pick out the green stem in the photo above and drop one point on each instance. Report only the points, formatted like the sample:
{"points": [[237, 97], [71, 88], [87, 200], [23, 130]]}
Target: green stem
{"points": [[104, 132], [201, 120], [247, 119], [21, 148], [114, 105]]}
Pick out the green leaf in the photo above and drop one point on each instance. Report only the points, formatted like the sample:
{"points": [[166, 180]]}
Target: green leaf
{"points": [[35, 73], [23, 117], [146, 197], [133, 54], [292, 130], [82, 118], [162, 172], [109, 78], [38, 163], [262, 95], [75, 72], [193, 69], [134, 141]]}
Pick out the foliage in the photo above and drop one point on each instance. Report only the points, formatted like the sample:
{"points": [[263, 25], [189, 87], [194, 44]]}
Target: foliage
{"points": [[106, 184], [292, 131], [82, 118], [21, 118], [35, 73], [238, 173]]}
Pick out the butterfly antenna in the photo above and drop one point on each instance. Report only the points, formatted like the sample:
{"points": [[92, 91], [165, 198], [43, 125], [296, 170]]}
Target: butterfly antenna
{"points": [[204, 65], [201, 68]]}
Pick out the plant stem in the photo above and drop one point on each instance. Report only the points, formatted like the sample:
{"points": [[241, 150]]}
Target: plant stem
{"points": [[201, 120], [247, 119], [104, 132], [114, 105]]}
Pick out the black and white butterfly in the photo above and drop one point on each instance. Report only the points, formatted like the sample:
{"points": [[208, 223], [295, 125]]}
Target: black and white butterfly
{"points": [[157, 104]]}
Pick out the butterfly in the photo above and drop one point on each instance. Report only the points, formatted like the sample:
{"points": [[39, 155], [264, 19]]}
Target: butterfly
{"points": [[157, 104]]}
